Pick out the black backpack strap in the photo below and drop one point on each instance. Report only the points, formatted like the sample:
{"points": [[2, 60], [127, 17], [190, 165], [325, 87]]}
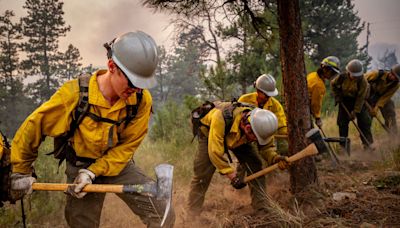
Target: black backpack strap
{"points": [[83, 104], [80, 112], [132, 110], [5, 140], [227, 113]]}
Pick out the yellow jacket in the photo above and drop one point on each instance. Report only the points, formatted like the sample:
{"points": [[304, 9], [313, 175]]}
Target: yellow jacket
{"points": [[1, 146], [381, 89], [90, 139], [316, 92], [272, 105], [353, 89], [215, 130]]}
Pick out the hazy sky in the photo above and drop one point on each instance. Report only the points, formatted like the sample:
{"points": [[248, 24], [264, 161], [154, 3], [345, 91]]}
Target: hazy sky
{"points": [[95, 22]]}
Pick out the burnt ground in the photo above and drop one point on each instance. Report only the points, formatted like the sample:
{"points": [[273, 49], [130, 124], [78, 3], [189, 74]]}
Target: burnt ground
{"points": [[374, 198], [368, 177]]}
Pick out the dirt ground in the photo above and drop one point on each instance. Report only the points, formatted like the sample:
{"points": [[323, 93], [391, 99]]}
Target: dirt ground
{"points": [[373, 198]]}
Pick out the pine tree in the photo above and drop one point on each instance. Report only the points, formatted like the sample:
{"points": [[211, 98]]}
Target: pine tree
{"points": [[14, 106], [331, 27], [42, 27], [70, 65]]}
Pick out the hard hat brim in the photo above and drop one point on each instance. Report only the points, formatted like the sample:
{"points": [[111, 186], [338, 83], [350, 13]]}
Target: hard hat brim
{"points": [[137, 80], [269, 93], [334, 69], [356, 74], [260, 140]]}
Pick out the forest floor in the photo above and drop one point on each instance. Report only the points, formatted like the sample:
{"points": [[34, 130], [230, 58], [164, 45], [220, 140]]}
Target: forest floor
{"points": [[361, 192]]}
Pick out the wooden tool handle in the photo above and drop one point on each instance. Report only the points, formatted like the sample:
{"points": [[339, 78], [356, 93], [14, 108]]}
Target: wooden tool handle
{"points": [[308, 151], [103, 188], [281, 136]]}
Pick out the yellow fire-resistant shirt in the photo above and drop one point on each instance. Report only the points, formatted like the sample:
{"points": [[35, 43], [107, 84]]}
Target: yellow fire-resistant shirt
{"points": [[316, 91], [348, 88], [1, 146], [215, 130], [90, 140], [272, 105], [381, 88]]}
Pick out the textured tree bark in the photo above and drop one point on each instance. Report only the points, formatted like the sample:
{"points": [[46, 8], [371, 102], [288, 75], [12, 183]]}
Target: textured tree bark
{"points": [[303, 172]]}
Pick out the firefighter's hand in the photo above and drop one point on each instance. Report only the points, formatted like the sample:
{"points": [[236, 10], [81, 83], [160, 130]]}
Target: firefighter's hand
{"points": [[84, 178], [318, 122], [283, 162], [238, 182], [21, 185], [352, 115], [373, 111]]}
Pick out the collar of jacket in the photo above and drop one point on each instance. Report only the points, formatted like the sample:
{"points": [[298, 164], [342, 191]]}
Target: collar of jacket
{"points": [[97, 98]]}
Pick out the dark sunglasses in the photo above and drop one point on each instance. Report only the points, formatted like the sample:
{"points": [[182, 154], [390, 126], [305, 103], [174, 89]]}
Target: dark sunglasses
{"points": [[129, 81]]}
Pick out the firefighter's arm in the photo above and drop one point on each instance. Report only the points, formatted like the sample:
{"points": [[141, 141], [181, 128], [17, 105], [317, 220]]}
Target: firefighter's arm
{"points": [[361, 95], [50, 119], [216, 144], [371, 75], [386, 96], [116, 158]]}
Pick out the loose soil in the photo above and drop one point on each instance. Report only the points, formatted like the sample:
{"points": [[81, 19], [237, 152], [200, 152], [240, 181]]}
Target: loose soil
{"points": [[364, 173]]}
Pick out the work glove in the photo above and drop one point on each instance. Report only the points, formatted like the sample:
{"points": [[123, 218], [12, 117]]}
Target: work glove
{"points": [[84, 178], [352, 115], [318, 122], [238, 182], [283, 162], [21, 185], [374, 111]]}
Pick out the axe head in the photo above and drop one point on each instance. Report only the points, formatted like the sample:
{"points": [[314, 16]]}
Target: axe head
{"points": [[164, 174], [316, 137]]}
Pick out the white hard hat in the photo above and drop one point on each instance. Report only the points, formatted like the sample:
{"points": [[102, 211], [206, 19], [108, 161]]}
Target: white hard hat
{"points": [[135, 53], [355, 68], [266, 83], [264, 123]]}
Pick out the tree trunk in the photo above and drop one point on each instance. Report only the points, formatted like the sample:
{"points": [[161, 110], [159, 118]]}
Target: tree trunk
{"points": [[303, 172]]}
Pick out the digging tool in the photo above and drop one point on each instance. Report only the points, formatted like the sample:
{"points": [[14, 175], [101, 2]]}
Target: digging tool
{"points": [[317, 145], [335, 160], [344, 140], [161, 189], [354, 123], [379, 120]]}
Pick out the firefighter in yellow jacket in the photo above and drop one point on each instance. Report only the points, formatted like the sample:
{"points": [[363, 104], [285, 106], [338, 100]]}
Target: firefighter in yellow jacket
{"points": [[328, 69], [350, 89], [264, 98], [383, 85], [248, 125], [100, 152]]}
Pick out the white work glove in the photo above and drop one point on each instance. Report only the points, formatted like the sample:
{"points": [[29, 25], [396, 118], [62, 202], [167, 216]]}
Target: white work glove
{"points": [[318, 122], [84, 178], [21, 185]]}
